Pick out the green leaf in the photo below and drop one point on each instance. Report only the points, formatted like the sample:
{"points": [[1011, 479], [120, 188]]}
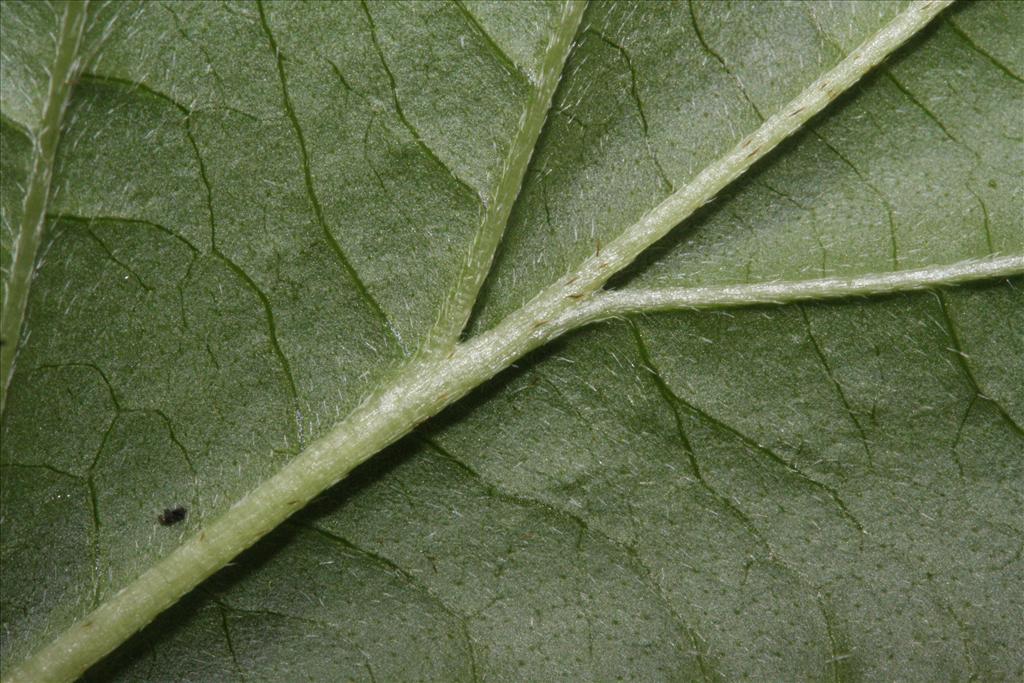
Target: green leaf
{"points": [[257, 232]]}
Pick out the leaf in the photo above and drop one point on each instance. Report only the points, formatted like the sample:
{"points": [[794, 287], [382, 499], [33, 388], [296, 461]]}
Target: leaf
{"points": [[268, 219]]}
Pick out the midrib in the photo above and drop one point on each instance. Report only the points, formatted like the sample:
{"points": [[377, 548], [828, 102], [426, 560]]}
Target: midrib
{"points": [[33, 217]]}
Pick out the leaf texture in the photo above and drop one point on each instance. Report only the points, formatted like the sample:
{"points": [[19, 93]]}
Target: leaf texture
{"points": [[260, 214]]}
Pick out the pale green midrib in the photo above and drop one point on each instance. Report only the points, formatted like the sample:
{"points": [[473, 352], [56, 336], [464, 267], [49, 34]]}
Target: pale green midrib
{"points": [[33, 217], [458, 304], [609, 304], [426, 387]]}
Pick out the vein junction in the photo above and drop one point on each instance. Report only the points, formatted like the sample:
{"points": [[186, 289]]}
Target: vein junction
{"points": [[458, 305], [621, 302]]}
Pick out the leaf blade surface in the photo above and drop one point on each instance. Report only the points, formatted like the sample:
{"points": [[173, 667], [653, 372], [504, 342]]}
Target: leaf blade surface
{"points": [[196, 285]]}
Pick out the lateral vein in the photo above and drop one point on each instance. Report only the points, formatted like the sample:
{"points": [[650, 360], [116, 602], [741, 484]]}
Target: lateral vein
{"points": [[458, 304], [626, 301], [656, 223], [33, 217]]}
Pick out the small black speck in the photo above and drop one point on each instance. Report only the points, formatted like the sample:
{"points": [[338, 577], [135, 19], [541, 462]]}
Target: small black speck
{"points": [[172, 515]]}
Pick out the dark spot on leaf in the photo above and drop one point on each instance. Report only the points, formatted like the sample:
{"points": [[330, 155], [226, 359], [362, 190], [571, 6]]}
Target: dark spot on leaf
{"points": [[172, 516]]}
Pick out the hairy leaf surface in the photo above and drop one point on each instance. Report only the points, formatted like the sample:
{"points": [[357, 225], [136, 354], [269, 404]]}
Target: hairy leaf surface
{"points": [[260, 213]]}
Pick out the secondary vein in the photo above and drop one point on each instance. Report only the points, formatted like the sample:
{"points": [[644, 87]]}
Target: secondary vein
{"points": [[33, 217], [656, 223], [646, 300], [458, 304]]}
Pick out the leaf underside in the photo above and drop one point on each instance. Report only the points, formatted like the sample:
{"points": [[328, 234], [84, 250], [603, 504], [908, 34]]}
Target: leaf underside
{"points": [[258, 212]]}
